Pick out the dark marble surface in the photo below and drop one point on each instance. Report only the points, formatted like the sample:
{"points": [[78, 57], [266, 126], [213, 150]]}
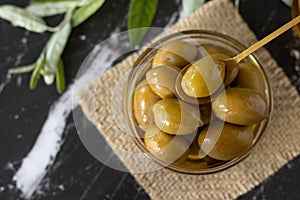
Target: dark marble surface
{"points": [[75, 174]]}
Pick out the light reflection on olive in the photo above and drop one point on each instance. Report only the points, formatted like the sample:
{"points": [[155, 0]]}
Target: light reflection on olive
{"points": [[240, 106], [176, 117], [162, 80], [175, 54], [166, 147], [143, 100], [203, 77], [223, 141]]}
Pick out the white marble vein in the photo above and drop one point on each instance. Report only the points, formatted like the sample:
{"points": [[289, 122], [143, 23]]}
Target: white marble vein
{"points": [[43, 153], [34, 166], [5, 82], [46, 147]]}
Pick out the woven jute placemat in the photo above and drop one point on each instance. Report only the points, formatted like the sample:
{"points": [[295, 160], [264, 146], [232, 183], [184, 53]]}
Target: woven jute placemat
{"points": [[280, 144]]}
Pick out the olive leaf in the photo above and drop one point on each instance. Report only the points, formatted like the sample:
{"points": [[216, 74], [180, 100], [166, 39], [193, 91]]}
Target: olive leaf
{"points": [[56, 45], [54, 49], [23, 69], [21, 18], [43, 1], [51, 8], [83, 2], [141, 14], [84, 12], [189, 6], [49, 79], [37, 70], [287, 2], [80, 2], [60, 77], [47, 76], [49, 64]]}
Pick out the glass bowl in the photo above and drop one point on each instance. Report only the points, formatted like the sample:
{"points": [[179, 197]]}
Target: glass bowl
{"points": [[198, 38]]}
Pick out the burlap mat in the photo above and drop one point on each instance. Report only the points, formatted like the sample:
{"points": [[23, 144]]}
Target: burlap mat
{"points": [[280, 144]]}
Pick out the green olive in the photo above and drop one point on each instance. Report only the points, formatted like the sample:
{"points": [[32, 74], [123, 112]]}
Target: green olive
{"points": [[240, 106], [219, 57], [223, 141], [203, 77], [162, 80], [211, 162], [193, 164], [168, 148], [143, 100], [213, 49], [175, 54], [250, 77], [221, 54], [206, 113], [195, 152], [176, 117], [230, 72]]}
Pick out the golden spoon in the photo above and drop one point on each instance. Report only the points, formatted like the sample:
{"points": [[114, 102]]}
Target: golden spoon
{"points": [[231, 63]]}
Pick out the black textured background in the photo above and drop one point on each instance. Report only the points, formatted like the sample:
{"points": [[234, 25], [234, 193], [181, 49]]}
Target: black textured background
{"points": [[76, 174]]}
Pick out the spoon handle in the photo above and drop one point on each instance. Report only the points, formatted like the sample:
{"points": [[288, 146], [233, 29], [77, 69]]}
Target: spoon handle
{"points": [[266, 39]]}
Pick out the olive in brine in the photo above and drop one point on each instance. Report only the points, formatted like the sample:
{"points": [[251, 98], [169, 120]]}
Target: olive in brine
{"points": [[143, 100], [249, 77], [213, 49], [206, 113], [240, 106], [203, 77], [168, 148], [176, 117], [223, 141], [231, 71], [162, 80], [195, 152], [175, 54]]}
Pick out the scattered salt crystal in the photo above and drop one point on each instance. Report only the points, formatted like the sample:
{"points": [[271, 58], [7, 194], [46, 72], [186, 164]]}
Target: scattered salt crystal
{"points": [[10, 166], [10, 186], [19, 81], [5, 82], [24, 40], [294, 77], [61, 187], [82, 37], [295, 53], [16, 116]]}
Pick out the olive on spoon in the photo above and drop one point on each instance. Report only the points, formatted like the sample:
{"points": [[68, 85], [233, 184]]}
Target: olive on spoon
{"points": [[200, 82]]}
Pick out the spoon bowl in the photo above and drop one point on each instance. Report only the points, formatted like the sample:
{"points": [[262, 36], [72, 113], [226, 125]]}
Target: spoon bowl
{"points": [[182, 95]]}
